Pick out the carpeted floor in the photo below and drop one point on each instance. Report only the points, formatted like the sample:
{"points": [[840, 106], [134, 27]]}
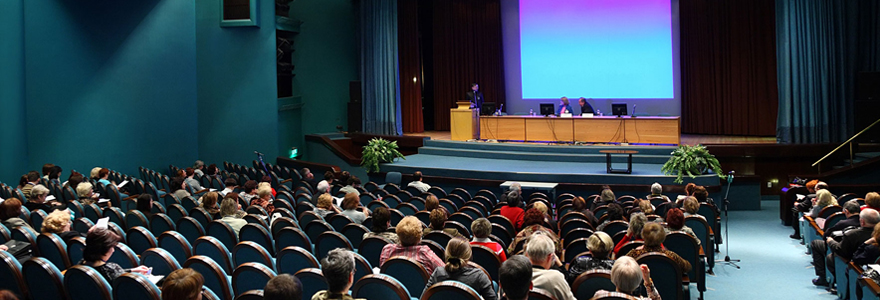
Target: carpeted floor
{"points": [[773, 265]]}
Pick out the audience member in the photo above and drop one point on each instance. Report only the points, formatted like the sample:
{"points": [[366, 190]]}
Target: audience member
{"points": [[627, 275], [145, 205], [381, 226], [481, 228], [37, 200], [309, 178], [33, 179], [418, 184], [512, 211], [688, 191], [85, 193], [657, 192], [409, 231], [22, 182], [230, 185], [248, 191], [515, 187], [351, 186], [823, 199], [329, 178], [872, 201], [74, 180], [93, 174], [283, 287], [600, 245], [654, 235], [100, 245], [606, 197], [264, 199], [323, 188], [541, 253], [692, 207], [533, 223], [431, 203], [191, 181], [183, 284], [675, 222], [458, 253], [633, 233], [548, 220], [178, 188], [515, 278], [266, 182], [229, 211], [198, 168], [849, 243], [869, 251], [58, 222], [338, 270], [209, 203], [47, 168], [438, 220], [580, 205], [613, 213], [818, 247], [350, 204], [54, 174], [325, 206]]}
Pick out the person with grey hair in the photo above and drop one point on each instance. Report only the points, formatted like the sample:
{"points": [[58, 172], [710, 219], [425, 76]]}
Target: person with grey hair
{"points": [[198, 167], [323, 187], [849, 243], [37, 200], [605, 197], [600, 245], [634, 232], [657, 192], [851, 210], [515, 278], [542, 254], [627, 275], [338, 269], [515, 187]]}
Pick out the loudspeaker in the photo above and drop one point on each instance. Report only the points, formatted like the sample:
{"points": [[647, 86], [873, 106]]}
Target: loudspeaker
{"points": [[354, 91], [868, 86], [355, 117]]}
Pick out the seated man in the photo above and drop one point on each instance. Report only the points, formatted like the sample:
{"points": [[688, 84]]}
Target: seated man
{"points": [[846, 247], [851, 211], [338, 269], [418, 184], [542, 254], [515, 278], [409, 232], [283, 287]]}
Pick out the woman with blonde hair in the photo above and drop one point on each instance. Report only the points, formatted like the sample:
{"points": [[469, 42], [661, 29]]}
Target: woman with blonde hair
{"points": [[209, 203], [264, 199], [58, 222], [325, 205], [822, 200], [458, 253], [600, 245]]}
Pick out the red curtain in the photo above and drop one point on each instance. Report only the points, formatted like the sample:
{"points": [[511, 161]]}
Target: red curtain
{"points": [[467, 49], [728, 67], [410, 66]]}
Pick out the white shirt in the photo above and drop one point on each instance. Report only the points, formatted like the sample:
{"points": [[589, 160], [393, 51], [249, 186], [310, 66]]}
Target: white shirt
{"points": [[419, 185]]}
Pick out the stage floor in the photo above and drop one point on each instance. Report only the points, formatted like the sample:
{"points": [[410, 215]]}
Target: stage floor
{"points": [[688, 139]]}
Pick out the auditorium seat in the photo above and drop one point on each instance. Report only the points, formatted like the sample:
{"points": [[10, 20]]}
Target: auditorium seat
{"points": [[223, 232], [411, 274], [371, 248], [250, 276], [379, 286], [212, 247], [247, 252], [686, 247], [292, 259], [160, 223], [162, 262], [176, 212], [257, 234], [330, 240], [190, 229], [666, 274], [292, 236], [83, 282], [140, 239], [37, 218], [215, 278], [250, 295], [354, 233], [587, 283], [133, 286], [450, 289], [39, 272], [486, 258], [312, 281], [281, 223], [11, 278], [53, 249], [26, 234], [124, 257], [574, 248]]}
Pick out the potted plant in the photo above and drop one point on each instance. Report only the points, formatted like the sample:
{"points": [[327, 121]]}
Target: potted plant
{"points": [[691, 160], [379, 150]]}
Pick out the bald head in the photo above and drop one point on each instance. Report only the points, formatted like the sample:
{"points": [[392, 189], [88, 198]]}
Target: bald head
{"points": [[869, 217]]}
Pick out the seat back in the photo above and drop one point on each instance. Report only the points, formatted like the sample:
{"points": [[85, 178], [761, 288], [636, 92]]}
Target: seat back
{"points": [[281, 223], [665, 273], [39, 272], [371, 248], [828, 210], [175, 212], [450, 289], [294, 258], [176, 245], [83, 282], [92, 212], [247, 252], [26, 234], [190, 229], [292, 236], [614, 227], [339, 221], [210, 246], [160, 223], [162, 262], [124, 257], [412, 274], [201, 215], [354, 233], [379, 286], [75, 248], [215, 278], [116, 216], [833, 219], [574, 248], [11, 278], [330, 240], [136, 218], [487, 259], [704, 233], [315, 228], [140, 239], [223, 232], [133, 286], [54, 249], [629, 246], [440, 237], [37, 218], [250, 276], [587, 283], [258, 234], [686, 247], [312, 281]]}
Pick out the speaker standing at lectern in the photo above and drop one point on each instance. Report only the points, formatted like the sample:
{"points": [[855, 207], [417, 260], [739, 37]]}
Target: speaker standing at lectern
{"points": [[475, 96]]}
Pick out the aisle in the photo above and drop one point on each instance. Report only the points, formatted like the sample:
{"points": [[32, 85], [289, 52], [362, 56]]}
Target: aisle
{"points": [[773, 265]]}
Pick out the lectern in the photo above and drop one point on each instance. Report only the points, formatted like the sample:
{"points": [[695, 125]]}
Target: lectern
{"points": [[464, 122]]}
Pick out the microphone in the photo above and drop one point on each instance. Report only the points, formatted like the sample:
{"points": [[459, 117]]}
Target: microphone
{"points": [[634, 110], [258, 153]]}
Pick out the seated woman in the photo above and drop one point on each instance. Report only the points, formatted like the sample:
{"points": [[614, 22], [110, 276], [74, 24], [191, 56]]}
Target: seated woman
{"points": [[627, 275], [458, 252], [512, 211], [823, 199], [183, 284], [58, 222], [634, 232], [549, 222], [350, 205], [409, 231], [351, 185], [264, 199], [482, 228], [600, 246], [606, 197], [229, 211], [10, 213], [145, 205], [580, 205], [691, 207], [103, 178], [85, 193], [209, 203], [534, 222], [675, 222], [178, 188], [431, 203], [266, 181], [325, 206], [248, 191], [654, 236], [614, 213], [100, 245], [38, 200], [381, 225], [438, 221]]}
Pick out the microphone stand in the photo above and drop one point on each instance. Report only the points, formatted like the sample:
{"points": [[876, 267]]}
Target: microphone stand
{"points": [[260, 157], [726, 202]]}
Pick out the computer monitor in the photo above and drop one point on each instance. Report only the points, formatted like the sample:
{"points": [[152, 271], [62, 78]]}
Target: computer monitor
{"points": [[547, 109], [618, 109], [488, 109]]}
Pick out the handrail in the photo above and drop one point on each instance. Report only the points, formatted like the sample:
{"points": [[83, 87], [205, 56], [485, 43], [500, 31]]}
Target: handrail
{"points": [[844, 143]]}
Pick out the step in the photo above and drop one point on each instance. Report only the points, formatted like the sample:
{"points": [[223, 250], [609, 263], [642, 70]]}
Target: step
{"points": [[542, 156], [561, 148]]}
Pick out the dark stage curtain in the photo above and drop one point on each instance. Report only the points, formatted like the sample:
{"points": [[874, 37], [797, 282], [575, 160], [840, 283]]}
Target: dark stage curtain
{"points": [[379, 67], [728, 67], [410, 66], [467, 48], [823, 45]]}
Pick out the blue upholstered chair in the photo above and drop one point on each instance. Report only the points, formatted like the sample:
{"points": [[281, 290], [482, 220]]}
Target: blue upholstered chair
{"points": [[380, 286], [140, 239], [665, 273], [160, 223], [190, 229], [354, 233], [134, 218], [39, 272], [371, 248], [124, 257], [250, 276], [291, 236], [11, 278], [162, 262], [223, 232], [212, 247], [412, 274], [215, 278], [247, 252], [330, 240], [84, 282], [450, 289], [295, 258], [312, 280], [587, 283], [257, 234], [133, 286], [54, 249]]}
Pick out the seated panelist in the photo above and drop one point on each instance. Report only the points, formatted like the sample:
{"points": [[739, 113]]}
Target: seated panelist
{"points": [[564, 107]]}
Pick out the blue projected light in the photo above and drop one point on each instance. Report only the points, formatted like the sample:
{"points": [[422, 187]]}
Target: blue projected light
{"points": [[596, 49]]}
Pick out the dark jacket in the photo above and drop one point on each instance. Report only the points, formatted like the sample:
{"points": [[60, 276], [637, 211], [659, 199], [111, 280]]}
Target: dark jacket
{"points": [[852, 221], [851, 241]]}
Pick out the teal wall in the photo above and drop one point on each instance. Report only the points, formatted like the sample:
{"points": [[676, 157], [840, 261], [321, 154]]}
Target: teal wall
{"points": [[237, 87], [326, 59], [13, 153], [110, 83]]}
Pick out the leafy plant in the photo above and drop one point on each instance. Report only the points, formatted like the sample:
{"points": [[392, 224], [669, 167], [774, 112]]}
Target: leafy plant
{"points": [[691, 160], [379, 150]]}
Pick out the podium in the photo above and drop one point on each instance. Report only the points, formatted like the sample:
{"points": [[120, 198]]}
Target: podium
{"points": [[464, 122]]}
